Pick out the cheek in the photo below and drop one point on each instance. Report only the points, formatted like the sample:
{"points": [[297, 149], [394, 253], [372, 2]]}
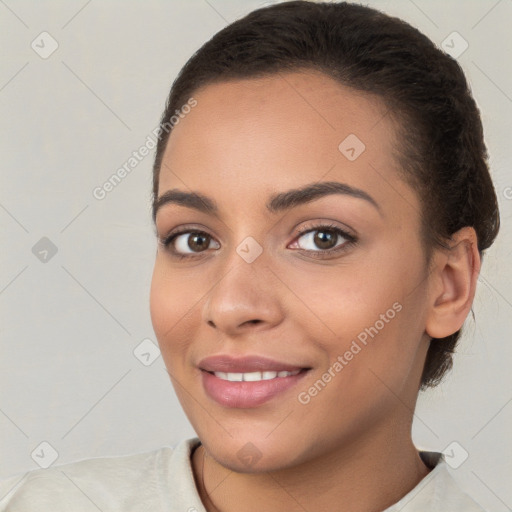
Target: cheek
{"points": [[174, 310], [345, 299], [365, 312]]}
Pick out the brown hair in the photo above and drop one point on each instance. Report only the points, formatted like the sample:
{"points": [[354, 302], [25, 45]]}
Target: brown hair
{"points": [[441, 150]]}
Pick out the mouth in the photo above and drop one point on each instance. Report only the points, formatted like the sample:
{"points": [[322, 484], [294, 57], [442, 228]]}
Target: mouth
{"points": [[225, 363], [249, 381], [254, 376]]}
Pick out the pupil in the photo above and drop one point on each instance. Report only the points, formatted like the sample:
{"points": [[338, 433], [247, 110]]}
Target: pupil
{"points": [[196, 242], [325, 239]]}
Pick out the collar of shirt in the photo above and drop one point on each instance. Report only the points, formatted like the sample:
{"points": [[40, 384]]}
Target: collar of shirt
{"points": [[162, 480], [437, 491]]}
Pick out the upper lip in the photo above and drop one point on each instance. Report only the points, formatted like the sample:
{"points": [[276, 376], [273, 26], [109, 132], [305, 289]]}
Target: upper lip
{"points": [[246, 364]]}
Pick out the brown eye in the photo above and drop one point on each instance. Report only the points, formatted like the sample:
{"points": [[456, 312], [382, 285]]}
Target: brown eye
{"points": [[321, 239], [325, 239], [190, 242], [198, 242]]}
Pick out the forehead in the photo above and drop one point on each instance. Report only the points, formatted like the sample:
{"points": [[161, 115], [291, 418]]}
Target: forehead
{"points": [[285, 108], [254, 136]]}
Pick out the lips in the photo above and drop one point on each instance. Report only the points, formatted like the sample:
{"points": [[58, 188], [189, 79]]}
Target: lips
{"points": [[247, 382]]}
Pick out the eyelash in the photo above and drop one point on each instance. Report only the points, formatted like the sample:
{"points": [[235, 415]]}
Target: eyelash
{"points": [[351, 240]]}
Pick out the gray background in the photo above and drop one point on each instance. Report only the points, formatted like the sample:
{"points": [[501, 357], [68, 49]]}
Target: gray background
{"points": [[69, 324]]}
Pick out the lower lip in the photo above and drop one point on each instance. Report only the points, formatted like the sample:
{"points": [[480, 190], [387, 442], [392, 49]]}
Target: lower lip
{"points": [[245, 395]]}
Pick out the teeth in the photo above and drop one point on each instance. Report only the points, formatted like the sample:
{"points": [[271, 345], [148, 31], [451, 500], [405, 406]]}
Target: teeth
{"points": [[253, 376]]}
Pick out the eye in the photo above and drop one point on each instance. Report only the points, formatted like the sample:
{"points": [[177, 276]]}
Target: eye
{"points": [[189, 243], [319, 241], [323, 239]]}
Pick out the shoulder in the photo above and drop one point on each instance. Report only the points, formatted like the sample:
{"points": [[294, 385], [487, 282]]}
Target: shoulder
{"points": [[130, 482], [437, 491], [450, 496]]}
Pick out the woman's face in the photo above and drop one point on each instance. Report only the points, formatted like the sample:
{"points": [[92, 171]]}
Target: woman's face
{"points": [[330, 281]]}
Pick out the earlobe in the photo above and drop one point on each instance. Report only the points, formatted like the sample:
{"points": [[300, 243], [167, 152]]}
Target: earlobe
{"points": [[454, 279]]}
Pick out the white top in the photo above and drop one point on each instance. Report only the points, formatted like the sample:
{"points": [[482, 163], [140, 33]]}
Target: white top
{"points": [[162, 481]]}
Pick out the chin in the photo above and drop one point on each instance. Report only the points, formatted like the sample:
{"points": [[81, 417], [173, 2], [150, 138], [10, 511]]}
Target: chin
{"points": [[253, 454]]}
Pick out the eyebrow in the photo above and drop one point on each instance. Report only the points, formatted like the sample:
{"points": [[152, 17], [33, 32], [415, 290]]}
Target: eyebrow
{"points": [[279, 202]]}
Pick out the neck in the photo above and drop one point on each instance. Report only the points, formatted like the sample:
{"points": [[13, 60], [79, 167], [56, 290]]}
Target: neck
{"points": [[369, 475]]}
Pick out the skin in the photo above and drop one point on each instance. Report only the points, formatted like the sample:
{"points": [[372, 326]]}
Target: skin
{"points": [[244, 141]]}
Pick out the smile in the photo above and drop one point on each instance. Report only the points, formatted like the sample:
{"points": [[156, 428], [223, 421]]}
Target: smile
{"points": [[253, 376], [247, 390]]}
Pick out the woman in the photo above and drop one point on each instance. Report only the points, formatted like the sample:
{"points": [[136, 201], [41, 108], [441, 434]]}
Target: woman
{"points": [[322, 203]]}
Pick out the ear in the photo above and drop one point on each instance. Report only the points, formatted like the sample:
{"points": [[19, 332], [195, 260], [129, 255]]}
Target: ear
{"points": [[453, 283]]}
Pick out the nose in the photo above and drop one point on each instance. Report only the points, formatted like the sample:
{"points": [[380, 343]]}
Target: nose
{"points": [[245, 297]]}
